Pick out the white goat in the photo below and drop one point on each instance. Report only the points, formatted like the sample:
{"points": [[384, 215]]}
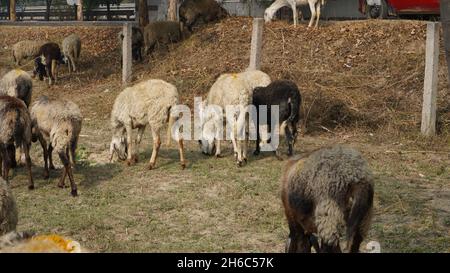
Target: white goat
{"points": [[314, 6]]}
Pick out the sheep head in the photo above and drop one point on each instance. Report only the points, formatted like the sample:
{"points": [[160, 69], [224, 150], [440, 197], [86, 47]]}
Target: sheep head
{"points": [[268, 14], [210, 117], [119, 144]]}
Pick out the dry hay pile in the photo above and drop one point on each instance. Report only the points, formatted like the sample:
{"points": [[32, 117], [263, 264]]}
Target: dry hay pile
{"points": [[352, 74]]}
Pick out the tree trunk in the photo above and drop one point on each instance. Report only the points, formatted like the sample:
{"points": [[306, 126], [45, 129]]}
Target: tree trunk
{"points": [[12, 10], [172, 14], [47, 12], [108, 11], [143, 13], [80, 10], [445, 19]]}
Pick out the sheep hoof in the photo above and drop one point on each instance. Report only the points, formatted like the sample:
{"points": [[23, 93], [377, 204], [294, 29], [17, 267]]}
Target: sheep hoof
{"points": [[183, 165], [74, 193], [218, 156], [52, 167], [62, 186], [256, 152], [31, 187], [151, 166], [239, 164], [46, 175]]}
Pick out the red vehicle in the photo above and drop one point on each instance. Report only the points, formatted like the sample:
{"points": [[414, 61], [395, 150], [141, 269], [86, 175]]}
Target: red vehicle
{"points": [[386, 8]]}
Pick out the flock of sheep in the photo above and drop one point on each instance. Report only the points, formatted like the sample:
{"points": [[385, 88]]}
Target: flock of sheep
{"points": [[326, 195]]}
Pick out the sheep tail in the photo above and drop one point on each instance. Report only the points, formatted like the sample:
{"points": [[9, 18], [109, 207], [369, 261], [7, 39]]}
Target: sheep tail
{"points": [[361, 211]]}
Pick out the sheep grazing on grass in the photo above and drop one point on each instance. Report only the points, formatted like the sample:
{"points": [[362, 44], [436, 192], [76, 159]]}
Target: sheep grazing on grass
{"points": [[286, 96], [314, 6], [57, 126], [192, 11], [28, 242], [325, 194], [137, 43], [161, 33], [47, 61], [149, 102], [15, 129], [25, 49], [8, 209], [230, 90], [17, 83], [71, 46]]}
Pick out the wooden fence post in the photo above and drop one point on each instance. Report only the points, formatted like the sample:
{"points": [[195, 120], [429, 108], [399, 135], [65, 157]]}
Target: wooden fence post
{"points": [[428, 127], [256, 46], [80, 10], [12, 10], [445, 19], [126, 53]]}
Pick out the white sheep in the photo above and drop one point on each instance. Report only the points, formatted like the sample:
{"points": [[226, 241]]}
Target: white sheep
{"points": [[57, 126], [230, 90], [25, 49], [17, 83], [8, 209], [71, 47], [314, 6], [148, 102]]}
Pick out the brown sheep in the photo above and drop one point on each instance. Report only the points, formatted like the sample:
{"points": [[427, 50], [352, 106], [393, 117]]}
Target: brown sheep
{"points": [[192, 11]]}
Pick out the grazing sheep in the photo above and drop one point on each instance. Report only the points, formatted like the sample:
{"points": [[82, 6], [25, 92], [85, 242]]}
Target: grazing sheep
{"points": [[161, 32], [192, 11], [149, 102], [314, 6], [46, 62], [15, 128], [17, 83], [327, 193], [27, 242], [137, 43], [286, 95], [57, 126], [71, 46], [230, 90], [8, 209], [26, 49]]}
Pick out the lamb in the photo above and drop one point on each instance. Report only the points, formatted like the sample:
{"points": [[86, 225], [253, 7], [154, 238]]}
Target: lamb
{"points": [[46, 62], [161, 32], [15, 128], [286, 95], [327, 192], [314, 6], [230, 90], [8, 209], [71, 46], [26, 49], [191, 11], [57, 126], [137, 43], [148, 102]]}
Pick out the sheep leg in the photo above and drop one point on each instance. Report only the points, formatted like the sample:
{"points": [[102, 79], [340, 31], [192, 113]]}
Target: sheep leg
{"points": [[73, 186], [313, 13], [132, 157], [50, 157], [49, 73], [54, 70], [4, 161], [181, 151], [289, 139], [12, 155], [295, 15], [44, 148], [297, 240], [73, 151], [218, 149], [63, 155], [72, 60], [318, 14], [26, 150], [258, 137], [156, 145]]}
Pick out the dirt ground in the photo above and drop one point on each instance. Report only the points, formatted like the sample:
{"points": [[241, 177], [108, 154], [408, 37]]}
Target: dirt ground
{"points": [[362, 85]]}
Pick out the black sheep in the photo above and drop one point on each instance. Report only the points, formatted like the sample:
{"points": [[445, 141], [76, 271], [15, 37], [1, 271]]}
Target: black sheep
{"points": [[47, 60], [286, 95]]}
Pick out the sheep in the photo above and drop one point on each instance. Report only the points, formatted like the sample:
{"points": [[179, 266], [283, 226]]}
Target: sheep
{"points": [[286, 95], [191, 11], [28, 242], [46, 62], [71, 47], [8, 209], [17, 83], [56, 123], [329, 191], [148, 102], [162, 32], [314, 6], [25, 49], [137, 43], [15, 128], [230, 90]]}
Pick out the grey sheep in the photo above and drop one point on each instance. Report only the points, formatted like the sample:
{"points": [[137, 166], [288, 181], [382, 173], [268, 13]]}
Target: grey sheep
{"points": [[161, 32], [8, 209], [137, 43], [57, 126], [148, 102], [328, 192], [71, 47], [15, 129], [17, 83], [26, 49]]}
